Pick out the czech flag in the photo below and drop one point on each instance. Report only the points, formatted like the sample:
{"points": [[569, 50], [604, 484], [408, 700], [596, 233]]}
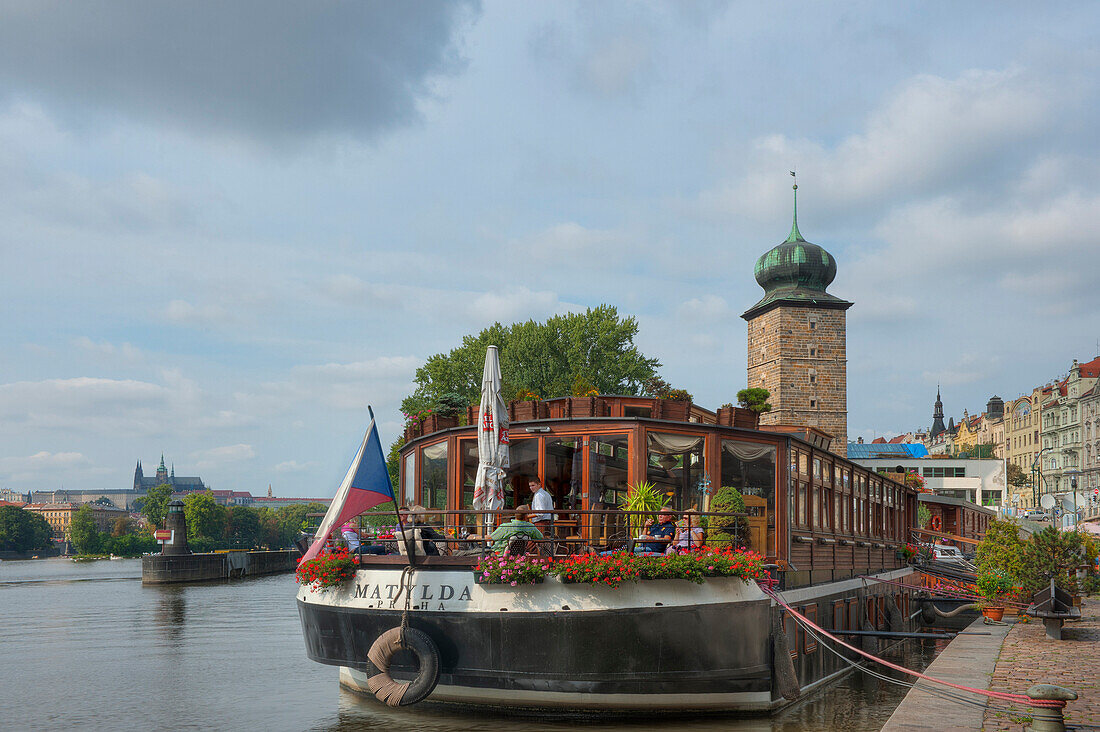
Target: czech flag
{"points": [[366, 485]]}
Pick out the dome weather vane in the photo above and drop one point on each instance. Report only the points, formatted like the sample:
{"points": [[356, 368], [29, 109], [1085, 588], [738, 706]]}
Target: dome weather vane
{"points": [[795, 234]]}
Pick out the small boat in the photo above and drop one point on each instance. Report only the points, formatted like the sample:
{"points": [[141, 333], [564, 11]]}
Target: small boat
{"points": [[824, 524]]}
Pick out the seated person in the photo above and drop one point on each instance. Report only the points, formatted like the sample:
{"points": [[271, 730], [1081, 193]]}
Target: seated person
{"points": [[658, 536], [351, 535], [517, 527], [435, 543], [689, 534]]}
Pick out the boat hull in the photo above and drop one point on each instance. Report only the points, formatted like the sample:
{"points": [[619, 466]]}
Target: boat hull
{"points": [[647, 646]]}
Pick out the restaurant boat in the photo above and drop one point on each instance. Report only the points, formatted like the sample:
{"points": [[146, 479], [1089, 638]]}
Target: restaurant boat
{"points": [[824, 523]]}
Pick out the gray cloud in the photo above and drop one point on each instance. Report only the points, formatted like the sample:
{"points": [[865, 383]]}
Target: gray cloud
{"points": [[269, 70]]}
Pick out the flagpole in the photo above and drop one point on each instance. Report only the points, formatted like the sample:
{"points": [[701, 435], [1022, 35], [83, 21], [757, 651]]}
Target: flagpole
{"points": [[396, 513]]}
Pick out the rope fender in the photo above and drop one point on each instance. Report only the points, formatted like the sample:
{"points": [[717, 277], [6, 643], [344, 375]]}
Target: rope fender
{"points": [[381, 653], [385, 647]]}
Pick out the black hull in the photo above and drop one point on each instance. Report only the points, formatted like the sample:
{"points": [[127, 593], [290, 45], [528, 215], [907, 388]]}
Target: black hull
{"points": [[717, 649], [699, 654]]}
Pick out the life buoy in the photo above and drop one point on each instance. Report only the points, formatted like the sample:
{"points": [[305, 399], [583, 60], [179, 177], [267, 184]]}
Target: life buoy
{"points": [[381, 653], [937, 523]]}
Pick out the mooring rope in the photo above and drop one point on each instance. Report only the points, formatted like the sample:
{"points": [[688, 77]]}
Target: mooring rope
{"points": [[955, 593], [1005, 696]]}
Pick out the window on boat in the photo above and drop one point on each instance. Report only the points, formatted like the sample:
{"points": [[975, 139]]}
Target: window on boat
{"points": [[433, 475], [646, 411], [467, 449], [409, 479], [524, 460], [607, 474], [675, 466], [750, 468], [563, 470]]}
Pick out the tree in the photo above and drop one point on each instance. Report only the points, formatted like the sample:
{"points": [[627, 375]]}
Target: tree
{"points": [[393, 464], [1002, 550], [243, 525], [1017, 478], [292, 519], [84, 533], [596, 346], [22, 531], [205, 518], [155, 506], [755, 399], [122, 526], [1052, 553]]}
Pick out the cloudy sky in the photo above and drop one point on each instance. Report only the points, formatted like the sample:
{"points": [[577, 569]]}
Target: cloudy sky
{"points": [[226, 228]]}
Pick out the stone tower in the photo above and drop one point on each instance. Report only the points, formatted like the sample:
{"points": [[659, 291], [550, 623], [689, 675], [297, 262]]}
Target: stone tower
{"points": [[797, 338]]}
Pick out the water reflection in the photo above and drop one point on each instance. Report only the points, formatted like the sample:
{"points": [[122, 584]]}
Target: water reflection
{"points": [[856, 702], [171, 613]]}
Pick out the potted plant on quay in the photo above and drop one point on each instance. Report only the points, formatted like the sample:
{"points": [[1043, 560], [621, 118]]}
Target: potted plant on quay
{"points": [[996, 588]]}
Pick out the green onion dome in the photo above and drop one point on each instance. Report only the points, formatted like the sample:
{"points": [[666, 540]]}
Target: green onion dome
{"points": [[795, 272]]}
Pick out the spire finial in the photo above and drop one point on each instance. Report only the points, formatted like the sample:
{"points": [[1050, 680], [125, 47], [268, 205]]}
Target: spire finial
{"points": [[795, 234]]}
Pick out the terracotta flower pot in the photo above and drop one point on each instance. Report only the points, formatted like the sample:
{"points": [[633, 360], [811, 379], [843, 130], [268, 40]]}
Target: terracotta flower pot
{"points": [[993, 613]]}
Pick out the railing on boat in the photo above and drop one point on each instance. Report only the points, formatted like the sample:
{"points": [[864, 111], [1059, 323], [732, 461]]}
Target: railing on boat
{"points": [[571, 531]]}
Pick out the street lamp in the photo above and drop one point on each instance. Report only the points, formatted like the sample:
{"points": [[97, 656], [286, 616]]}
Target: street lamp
{"points": [[1037, 467], [1073, 489]]}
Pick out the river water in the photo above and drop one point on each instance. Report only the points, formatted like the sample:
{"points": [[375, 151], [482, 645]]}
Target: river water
{"points": [[85, 646]]}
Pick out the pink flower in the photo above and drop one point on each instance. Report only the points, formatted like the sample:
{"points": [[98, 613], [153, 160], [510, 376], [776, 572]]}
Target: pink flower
{"points": [[513, 584]]}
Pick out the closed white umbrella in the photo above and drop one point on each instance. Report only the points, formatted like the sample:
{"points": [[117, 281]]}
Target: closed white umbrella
{"points": [[492, 438]]}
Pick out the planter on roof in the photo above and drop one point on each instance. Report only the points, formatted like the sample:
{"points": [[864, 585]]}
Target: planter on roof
{"points": [[738, 417], [585, 407], [677, 410], [437, 422], [523, 410]]}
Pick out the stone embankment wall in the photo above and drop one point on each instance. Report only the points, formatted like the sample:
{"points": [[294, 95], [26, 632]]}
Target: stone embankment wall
{"points": [[159, 569]]}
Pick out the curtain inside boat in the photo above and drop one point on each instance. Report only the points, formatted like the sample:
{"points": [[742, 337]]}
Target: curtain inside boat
{"points": [[666, 443]]}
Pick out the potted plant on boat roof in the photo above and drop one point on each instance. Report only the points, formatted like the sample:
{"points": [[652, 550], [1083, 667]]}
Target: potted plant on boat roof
{"points": [[585, 400], [755, 400], [444, 415], [526, 405]]}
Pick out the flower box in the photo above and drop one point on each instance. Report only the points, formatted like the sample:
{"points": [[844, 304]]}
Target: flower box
{"points": [[437, 422], [473, 413], [578, 407], [676, 410], [412, 431], [525, 410], [738, 417]]}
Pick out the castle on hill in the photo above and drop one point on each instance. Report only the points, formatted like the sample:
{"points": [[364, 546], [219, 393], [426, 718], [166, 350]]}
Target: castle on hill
{"points": [[162, 476]]}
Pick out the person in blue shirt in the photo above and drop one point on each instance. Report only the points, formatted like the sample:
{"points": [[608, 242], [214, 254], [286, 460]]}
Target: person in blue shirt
{"points": [[658, 536]]}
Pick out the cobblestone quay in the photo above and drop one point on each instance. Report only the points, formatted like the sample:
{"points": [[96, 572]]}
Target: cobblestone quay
{"points": [[1028, 657]]}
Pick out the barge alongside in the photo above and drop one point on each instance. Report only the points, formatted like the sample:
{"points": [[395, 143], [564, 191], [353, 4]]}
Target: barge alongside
{"points": [[821, 521]]}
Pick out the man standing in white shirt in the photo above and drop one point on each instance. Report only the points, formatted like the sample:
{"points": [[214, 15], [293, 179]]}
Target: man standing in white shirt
{"points": [[541, 500]]}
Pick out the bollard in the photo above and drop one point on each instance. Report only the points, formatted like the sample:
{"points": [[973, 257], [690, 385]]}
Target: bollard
{"points": [[1049, 719]]}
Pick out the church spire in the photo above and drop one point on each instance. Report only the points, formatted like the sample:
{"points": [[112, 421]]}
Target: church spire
{"points": [[937, 416], [795, 234]]}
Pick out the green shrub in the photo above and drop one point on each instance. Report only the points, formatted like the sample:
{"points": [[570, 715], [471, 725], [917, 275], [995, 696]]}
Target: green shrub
{"points": [[732, 531], [1052, 553], [1002, 550]]}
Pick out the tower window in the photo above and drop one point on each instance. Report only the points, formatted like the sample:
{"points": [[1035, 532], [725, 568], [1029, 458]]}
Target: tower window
{"points": [[813, 378], [813, 403], [813, 351], [813, 325]]}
